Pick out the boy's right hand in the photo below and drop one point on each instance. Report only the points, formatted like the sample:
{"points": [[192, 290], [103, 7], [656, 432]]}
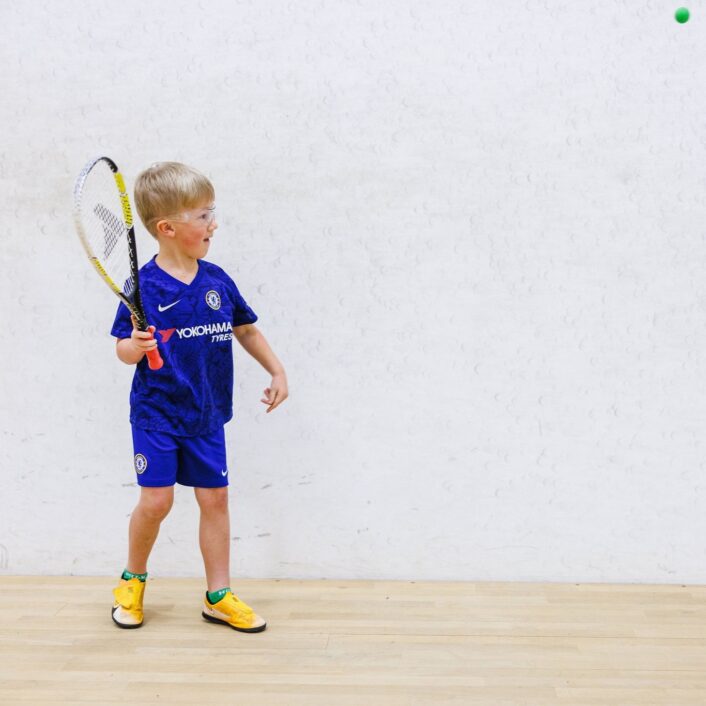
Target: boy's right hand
{"points": [[143, 341]]}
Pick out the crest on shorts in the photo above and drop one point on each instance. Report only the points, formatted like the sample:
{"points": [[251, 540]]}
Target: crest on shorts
{"points": [[213, 299], [140, 463]]}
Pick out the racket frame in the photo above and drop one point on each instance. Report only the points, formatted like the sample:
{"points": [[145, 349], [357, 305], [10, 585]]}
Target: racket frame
{"points": [[133, 304]]}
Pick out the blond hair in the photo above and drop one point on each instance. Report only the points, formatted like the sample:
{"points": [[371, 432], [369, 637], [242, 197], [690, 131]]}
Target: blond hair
{"points": [[166, 188]]}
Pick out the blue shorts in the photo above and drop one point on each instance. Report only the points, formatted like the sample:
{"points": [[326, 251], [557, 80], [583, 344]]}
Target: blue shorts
{"points": [[163, 459]]}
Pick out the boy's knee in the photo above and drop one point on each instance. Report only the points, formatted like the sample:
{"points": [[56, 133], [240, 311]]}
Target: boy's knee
{"points": [[212, 499], [157, 502]]}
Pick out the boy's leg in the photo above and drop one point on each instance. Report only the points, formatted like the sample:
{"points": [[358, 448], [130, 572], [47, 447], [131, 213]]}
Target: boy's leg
{"points": [[214, 535], [214, 538], [155, 465], [203, 466], [156, 459], [154, 505], [152, 508]]}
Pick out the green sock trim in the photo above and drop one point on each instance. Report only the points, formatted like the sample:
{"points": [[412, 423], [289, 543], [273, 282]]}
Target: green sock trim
{"points": [[127, 575], [217, 595]]}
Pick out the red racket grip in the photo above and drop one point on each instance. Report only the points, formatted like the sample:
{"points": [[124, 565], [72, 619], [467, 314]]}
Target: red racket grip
{"points": [[154, 360]]}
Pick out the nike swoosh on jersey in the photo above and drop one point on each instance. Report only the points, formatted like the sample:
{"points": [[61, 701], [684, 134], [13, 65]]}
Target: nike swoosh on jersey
{"points": [[169, 306]]}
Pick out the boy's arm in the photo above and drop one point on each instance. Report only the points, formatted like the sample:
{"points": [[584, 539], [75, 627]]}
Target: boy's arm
{"points": [[250, 338]]}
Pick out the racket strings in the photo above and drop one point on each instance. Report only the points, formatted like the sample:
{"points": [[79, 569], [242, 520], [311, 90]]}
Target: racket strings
{"points": [[104, 227]]}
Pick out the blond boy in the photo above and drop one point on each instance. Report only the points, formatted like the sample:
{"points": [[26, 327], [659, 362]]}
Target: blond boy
{"points": [[178, 412]]}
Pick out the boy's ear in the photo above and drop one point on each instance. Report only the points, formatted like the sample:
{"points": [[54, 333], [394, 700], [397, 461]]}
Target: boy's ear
{"points": [[164, 228]]}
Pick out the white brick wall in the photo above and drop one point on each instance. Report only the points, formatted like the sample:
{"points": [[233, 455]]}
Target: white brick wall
{"points": [[473, 232]]}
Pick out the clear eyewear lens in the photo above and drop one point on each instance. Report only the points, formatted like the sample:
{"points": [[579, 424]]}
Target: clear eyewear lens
{"points": [[204, 215]]}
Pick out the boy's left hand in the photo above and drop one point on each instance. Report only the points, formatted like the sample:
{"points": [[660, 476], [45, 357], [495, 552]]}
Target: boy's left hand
{"points": [[276, 393]]}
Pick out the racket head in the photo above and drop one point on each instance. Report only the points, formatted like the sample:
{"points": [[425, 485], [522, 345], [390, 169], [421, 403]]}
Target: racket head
{"points": [[103, 219]]}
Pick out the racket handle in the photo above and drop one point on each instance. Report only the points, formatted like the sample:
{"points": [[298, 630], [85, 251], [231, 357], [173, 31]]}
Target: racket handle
{"points": [[154, 360]]}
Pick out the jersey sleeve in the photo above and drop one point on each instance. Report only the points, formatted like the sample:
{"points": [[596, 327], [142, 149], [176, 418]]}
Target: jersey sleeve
{"points": [[122, 326], [242, 313]]}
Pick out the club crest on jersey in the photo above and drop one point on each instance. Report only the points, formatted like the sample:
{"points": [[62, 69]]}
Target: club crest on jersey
{"points": [[140, 463], [213, 299]]}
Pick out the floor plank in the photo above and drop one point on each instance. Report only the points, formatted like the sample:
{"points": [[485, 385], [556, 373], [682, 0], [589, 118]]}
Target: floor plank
{"points": [[358, 642]]}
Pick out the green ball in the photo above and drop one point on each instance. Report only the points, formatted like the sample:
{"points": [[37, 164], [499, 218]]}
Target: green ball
{"points": [[681, 15]]}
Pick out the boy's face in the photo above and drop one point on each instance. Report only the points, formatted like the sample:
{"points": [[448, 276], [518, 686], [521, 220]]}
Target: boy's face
{"points": [[193, 229]]}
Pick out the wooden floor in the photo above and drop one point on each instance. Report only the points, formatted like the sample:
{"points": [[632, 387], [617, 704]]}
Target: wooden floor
{"points": [[341, 643]]}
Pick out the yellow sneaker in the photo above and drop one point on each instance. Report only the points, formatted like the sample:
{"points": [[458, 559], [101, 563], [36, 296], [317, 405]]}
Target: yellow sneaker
{"points": [[127, 611], [230, 610]]}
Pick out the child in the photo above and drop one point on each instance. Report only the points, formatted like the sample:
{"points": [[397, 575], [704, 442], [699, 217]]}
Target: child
{"points": [[178, 412]]}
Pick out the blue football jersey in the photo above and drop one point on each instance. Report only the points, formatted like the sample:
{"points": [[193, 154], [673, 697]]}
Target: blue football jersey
{"points": [[192, 394]]}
